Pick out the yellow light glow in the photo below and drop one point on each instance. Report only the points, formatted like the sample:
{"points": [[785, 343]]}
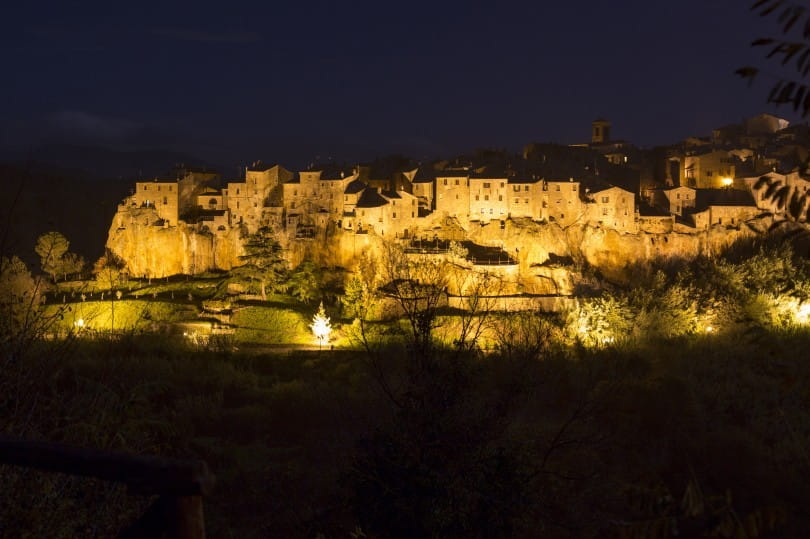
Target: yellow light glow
{"points": [[727, 181], [803, 313], [321, 326], [709, 329], [80, 323]]}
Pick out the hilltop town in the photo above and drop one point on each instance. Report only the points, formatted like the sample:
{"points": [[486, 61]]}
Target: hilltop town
{"points": [[606, 202]]}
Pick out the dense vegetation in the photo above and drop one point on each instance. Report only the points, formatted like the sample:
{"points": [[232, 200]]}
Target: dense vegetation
{"points": [[678, 403]]}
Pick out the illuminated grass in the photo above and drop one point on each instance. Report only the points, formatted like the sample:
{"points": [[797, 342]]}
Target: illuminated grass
{"points": [[271, 325], [124, 314]]}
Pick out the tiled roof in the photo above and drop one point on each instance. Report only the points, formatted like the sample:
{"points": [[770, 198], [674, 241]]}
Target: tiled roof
{"points": [[371, 199], [355, 186]]}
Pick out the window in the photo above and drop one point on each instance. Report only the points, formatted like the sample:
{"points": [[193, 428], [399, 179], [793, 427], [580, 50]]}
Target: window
{"points": [[476, 197], [525, 187], [145, 187], [574, 188], [486, 185], [486, 197], [605, 200], [394, 215], [525, 200], [158, 188], [170, 188], [237, 191], [604, 211], [500, 198], [456, 182], [502, 184], [516, 188], [678, 196], [556, 187], [165, 200], [445, 181], [237, 204]]}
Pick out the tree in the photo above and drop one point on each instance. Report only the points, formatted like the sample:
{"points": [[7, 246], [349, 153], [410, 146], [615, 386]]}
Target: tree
{"points": [[19, 295], [71, 264], [263, 260], [51, 247], [306, 282], [321, 326], [108, 270], [794, 43]]}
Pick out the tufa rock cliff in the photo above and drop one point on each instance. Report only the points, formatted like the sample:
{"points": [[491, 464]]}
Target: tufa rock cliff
{"points": [[153, 250]]}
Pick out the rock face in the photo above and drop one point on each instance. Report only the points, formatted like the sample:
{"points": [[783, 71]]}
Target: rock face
{"points": [[549, 257], [152, 250]]}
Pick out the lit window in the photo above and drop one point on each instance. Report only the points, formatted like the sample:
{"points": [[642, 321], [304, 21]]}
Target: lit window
{"points": [[605, 200], [557, 188]]}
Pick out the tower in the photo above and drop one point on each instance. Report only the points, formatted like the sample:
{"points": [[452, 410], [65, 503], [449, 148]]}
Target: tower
{"points": [[600, 131]]}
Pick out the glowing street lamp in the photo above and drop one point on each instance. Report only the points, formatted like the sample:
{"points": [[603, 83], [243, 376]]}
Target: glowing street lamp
{"points": [[727, 182], [321, 327], [80, 323]]}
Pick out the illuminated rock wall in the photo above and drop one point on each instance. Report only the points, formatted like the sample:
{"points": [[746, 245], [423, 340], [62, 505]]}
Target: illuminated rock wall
{"points": [[156, 251]]}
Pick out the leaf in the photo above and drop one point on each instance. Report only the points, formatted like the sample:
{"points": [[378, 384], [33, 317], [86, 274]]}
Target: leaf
{"points": [[762, 182], [802, 61], [759, 3], [761, 41], [770, 9], [785, 93], [797, 12], [747, 72], [790, 51]]}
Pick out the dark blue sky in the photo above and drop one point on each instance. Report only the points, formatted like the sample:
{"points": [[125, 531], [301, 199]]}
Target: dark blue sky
{"points": [[231, 81]]}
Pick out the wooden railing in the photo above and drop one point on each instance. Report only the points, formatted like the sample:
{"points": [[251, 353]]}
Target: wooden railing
{"points": [[180, 484]]}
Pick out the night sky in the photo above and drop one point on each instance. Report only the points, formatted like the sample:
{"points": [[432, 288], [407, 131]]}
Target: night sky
{"points": [[231, 82]]}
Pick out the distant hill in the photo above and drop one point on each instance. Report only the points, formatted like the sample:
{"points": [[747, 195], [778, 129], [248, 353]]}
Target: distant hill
{"points": [[107, 163]]}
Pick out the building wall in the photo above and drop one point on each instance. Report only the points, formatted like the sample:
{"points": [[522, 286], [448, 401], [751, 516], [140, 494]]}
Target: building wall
{"points": [[707, 171], [613, 207], [424, 190], [679, 198], [163, 196], [525, 199], [488, 199], [190, 185], [561, 204], [453, 196]]}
